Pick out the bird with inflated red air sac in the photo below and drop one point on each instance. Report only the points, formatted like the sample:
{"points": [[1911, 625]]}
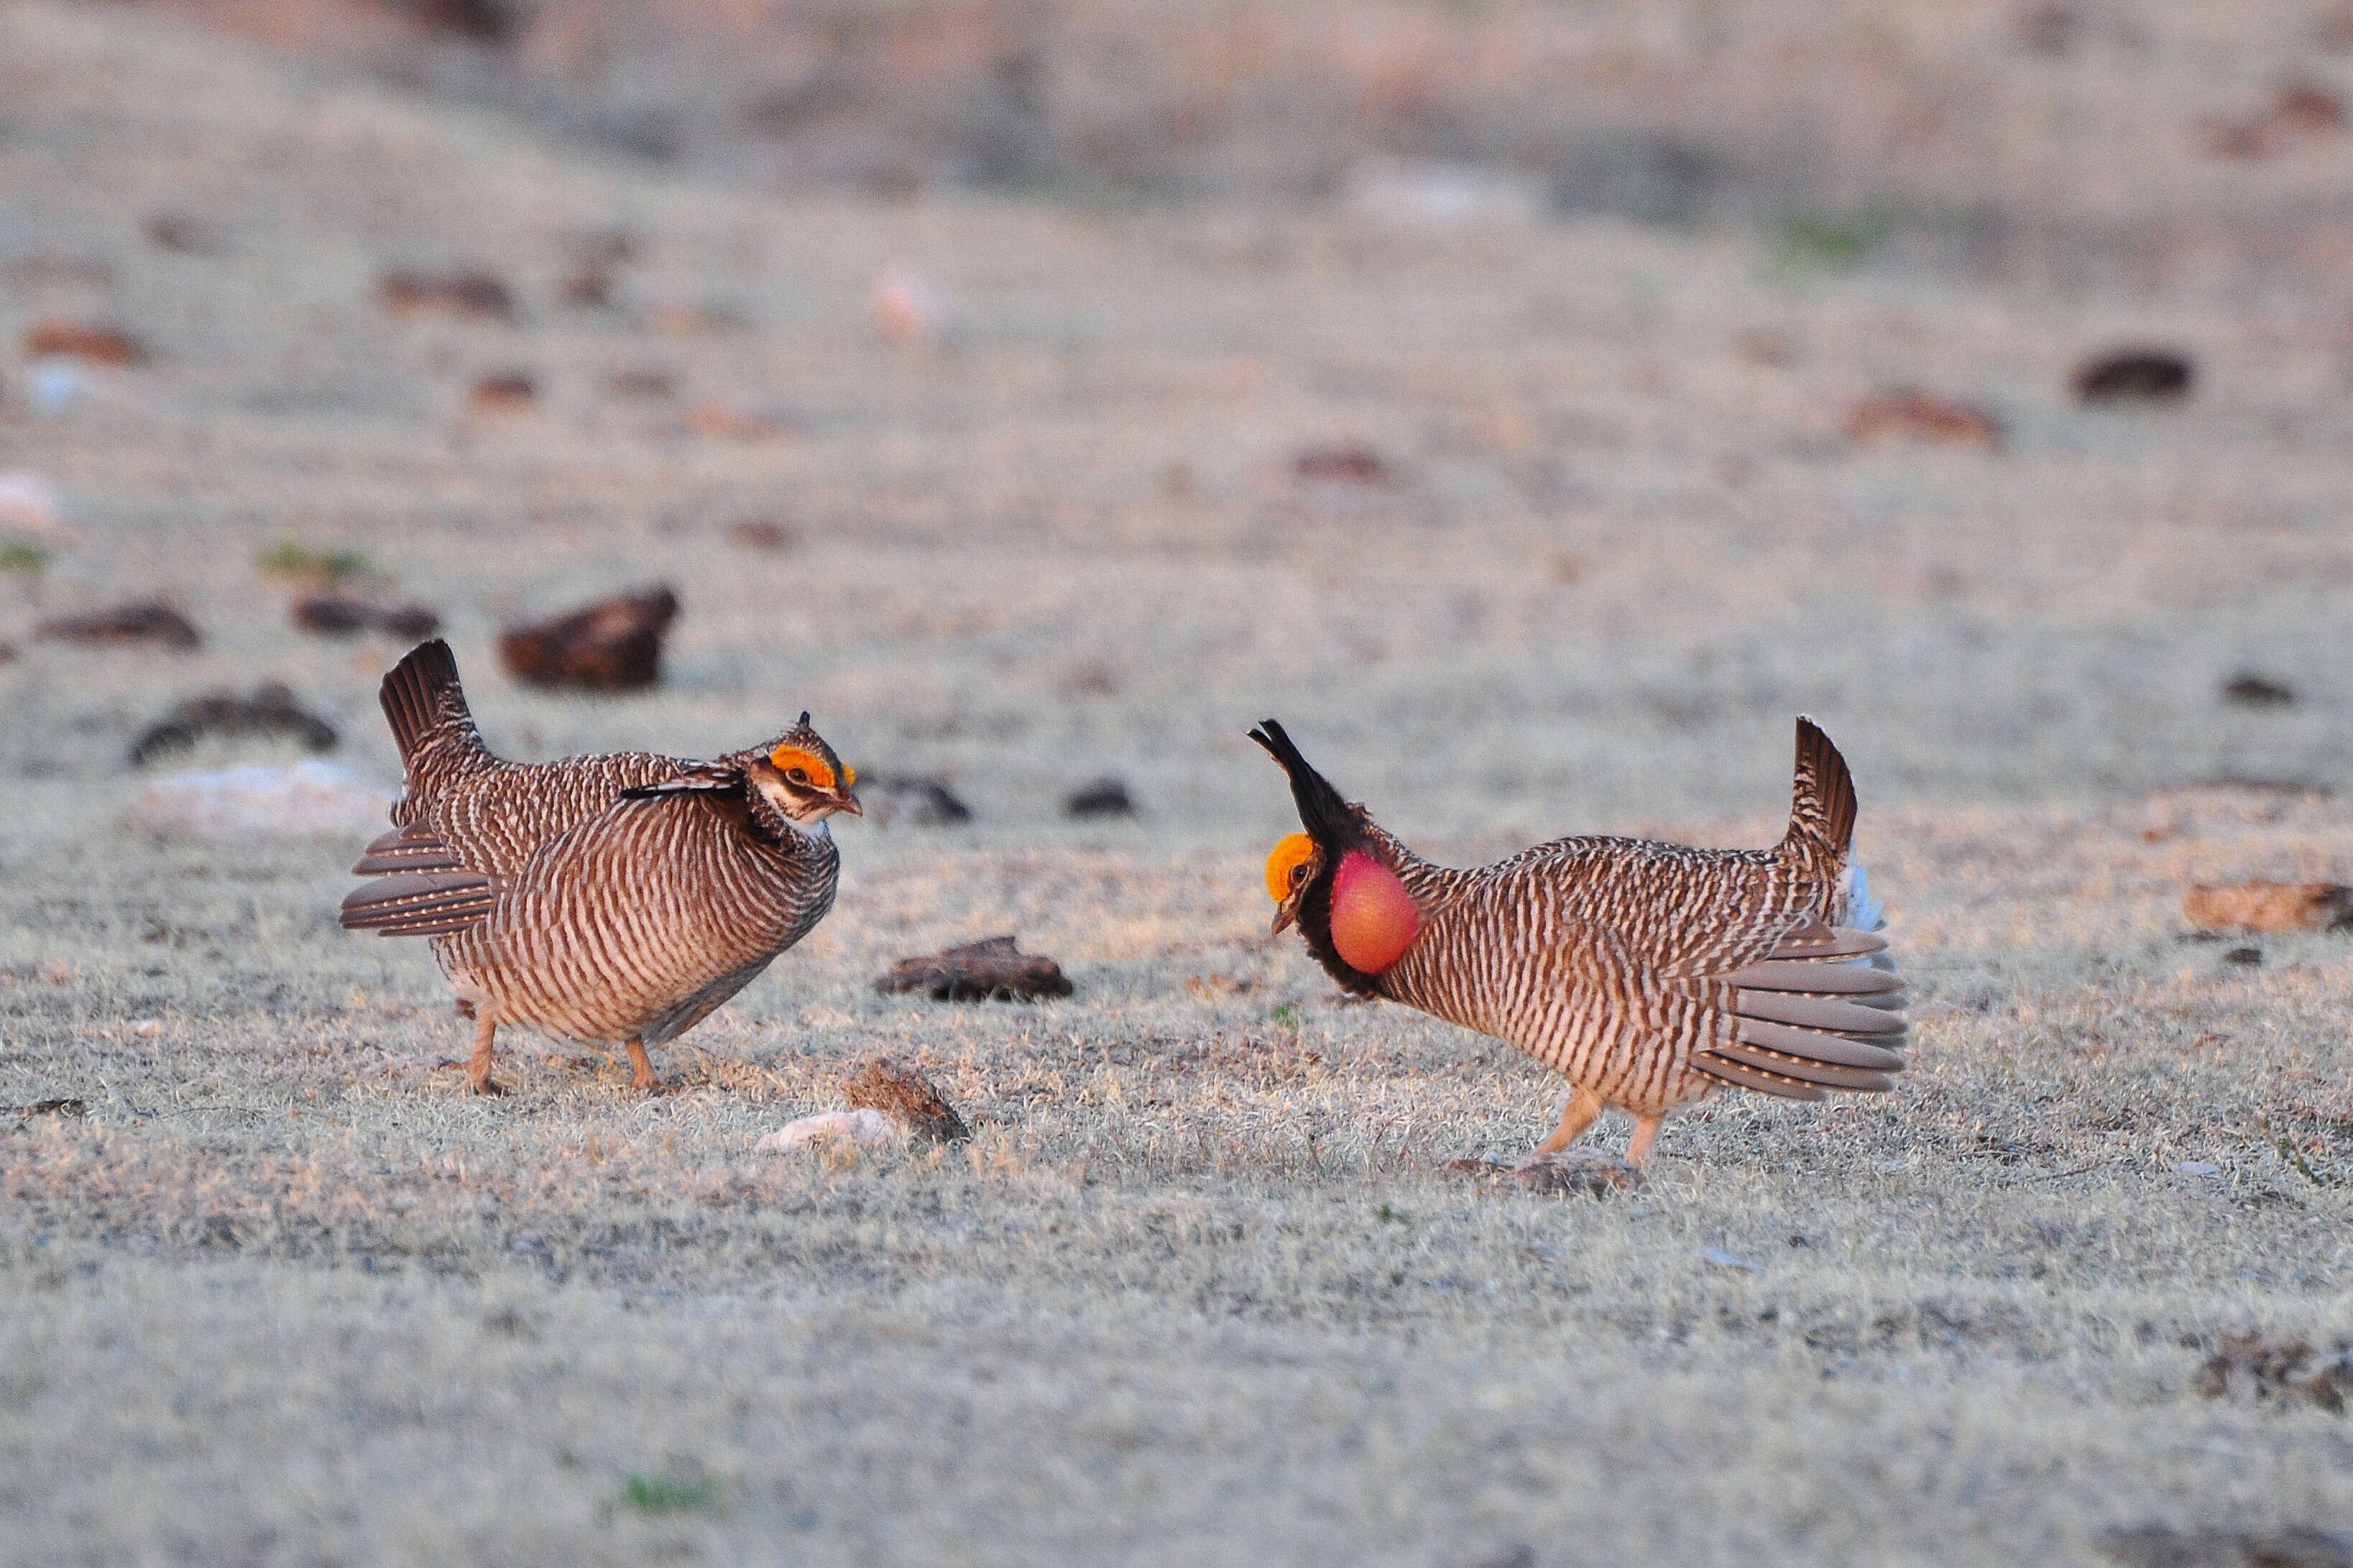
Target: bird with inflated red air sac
{"points": [[1648, 974], [608, 900]]}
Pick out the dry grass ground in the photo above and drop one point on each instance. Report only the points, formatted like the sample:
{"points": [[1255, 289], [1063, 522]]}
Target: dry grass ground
{"points": [[1196, 1290]]}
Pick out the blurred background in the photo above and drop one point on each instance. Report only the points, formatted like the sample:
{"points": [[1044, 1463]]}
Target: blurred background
{"points": [[1534, 404]]}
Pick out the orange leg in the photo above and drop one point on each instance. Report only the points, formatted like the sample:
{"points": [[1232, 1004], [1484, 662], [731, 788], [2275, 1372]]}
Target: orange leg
{"points": [[1583, 1105], [1645, 1129], [645, 1080], [478, 1071]]}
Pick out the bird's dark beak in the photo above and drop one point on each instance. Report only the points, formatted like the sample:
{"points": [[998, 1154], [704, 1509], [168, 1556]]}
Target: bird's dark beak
{"points": [[1283, 920], [848, 802]]}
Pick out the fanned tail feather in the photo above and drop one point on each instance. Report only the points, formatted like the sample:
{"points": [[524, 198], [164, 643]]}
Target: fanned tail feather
{"points": [[1814, 1015], [424, 702], [419, 903]]}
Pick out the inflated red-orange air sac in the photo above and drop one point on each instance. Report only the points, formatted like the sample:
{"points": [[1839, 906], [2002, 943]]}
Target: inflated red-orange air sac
{"points": [[1374, 920]]}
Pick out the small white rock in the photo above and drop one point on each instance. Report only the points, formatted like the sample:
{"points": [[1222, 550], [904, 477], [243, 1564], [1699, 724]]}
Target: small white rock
{"points": [[1719, 1257], [2199, 1168], [860, 1129], [1417, 193], [148, 1028], [310, 800]]}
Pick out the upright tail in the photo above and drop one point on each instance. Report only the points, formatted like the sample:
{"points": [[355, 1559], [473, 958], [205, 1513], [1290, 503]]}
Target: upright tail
{"points": [[1821, 805], [426, 706]]}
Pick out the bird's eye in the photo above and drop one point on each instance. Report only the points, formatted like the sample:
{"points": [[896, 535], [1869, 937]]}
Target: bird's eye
{"points": [[1298, 875], [798, 775]]}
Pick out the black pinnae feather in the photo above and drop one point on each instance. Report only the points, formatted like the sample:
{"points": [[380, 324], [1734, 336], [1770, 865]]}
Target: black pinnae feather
{"points": [[1327, 818]]}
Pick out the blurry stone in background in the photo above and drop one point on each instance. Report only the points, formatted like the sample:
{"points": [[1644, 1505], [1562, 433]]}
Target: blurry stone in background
{"points": [[1104, 797], [94, 343], [988, 971], [2261, 906], [642, 384], [613, 644], [271, 713], [462, 292], [143, 621], [1922, 417], [888, 800], [2135, 375]]}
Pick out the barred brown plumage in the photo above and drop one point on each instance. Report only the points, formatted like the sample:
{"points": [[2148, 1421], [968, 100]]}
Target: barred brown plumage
{"points": [[1647, 974], [612, 899]]}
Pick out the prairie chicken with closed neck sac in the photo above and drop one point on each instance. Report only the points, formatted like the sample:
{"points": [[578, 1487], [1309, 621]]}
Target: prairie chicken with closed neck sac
{"points": [[608, 900], [1648, 974]]}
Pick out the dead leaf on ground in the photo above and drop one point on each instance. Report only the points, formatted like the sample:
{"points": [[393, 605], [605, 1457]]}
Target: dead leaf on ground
{"points": [[613, 644], [761, 535], [2157, 1546], [2251, 690], [2265, 906], [1922, 417], [2135, 375], [144, 621], [1104, 797], [1350, 463], [91, 342], [988, 971], [2269, 1369], [272, 710], [464, 291], [907, 1098], [501, 392]]}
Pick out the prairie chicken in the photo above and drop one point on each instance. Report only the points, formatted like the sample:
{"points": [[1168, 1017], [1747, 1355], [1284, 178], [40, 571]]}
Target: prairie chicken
{"points": [[609, 898], [1648, 974]]}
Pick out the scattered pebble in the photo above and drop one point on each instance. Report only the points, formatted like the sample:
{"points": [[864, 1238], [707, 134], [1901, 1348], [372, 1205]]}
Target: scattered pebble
{"points": [[1923, 417], [2262, 906], [147, 621], [2251, 690], [270, 711], [92, 342], [888, 800], [759, 533], [464, 292], [2135, 375], [1718, 1257], [148, 1028], [2199, 1168], [910, 1100], [310, 800], [613, 644], [831, 1128], [1105, 797], [989, 971]]}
